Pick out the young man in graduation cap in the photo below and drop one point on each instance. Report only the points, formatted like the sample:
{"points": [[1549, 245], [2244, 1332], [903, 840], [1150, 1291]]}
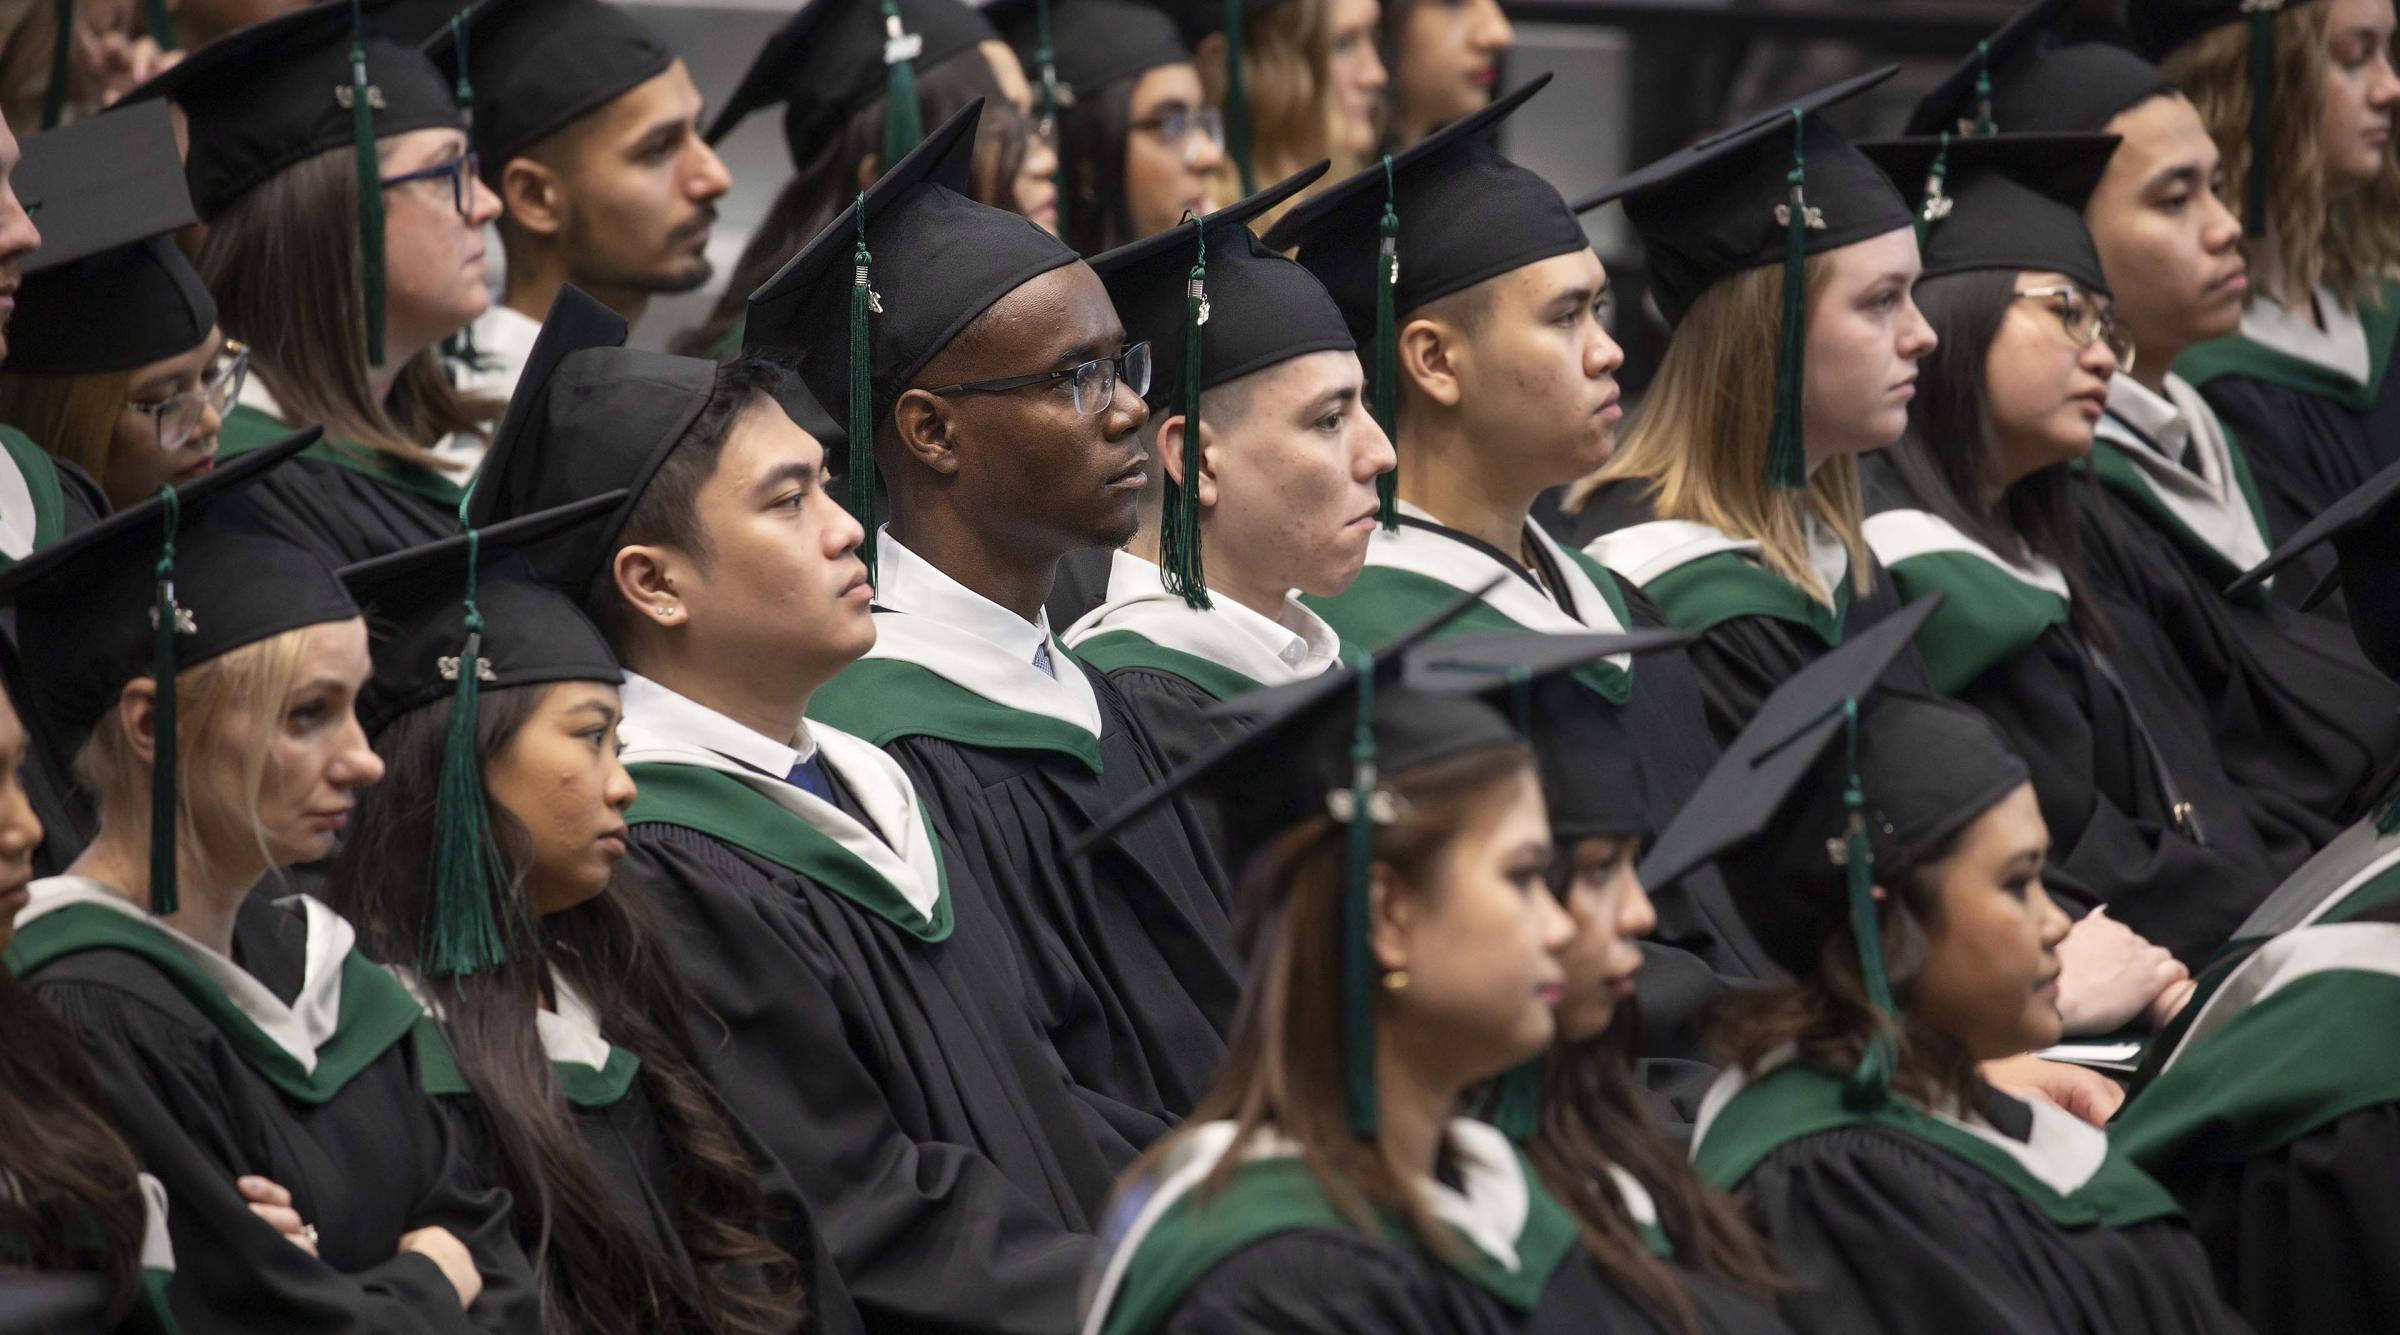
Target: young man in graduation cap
{"points": [[987, 373], [1268, 459], [604, 181], [863, 1008]]}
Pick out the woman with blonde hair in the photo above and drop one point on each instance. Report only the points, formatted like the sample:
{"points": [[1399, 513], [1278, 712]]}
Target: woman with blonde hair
{"points": [[2304, 385]]}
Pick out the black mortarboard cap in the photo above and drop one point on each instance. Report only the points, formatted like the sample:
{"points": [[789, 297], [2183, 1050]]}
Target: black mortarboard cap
{"points": [[1438, 217], [858, 333], [2002, 201], [2369, 506], [589, 416], [1965, 100], [457, 617], [1091, 43], [187, 576], [108, 290], [836, 56], [523, 89], [2160, 26], [1251, 309]]}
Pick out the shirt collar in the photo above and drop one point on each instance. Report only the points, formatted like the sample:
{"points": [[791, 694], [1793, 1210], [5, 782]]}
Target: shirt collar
{"points": [[1297, 637], [907, 582], [2153, 416], [670, 714]]}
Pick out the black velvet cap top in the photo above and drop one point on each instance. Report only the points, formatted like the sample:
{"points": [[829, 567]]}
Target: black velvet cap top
{"points": [[1717, 208], [939, 260], [2003, 201], [2369, 505], [1093, 43], [1466, 214], [278, 92], [416, 607], [537, 65], [2160, 26], [108, 290], [828, 62], [87, 599], [1261, 308], [2074, 89]]}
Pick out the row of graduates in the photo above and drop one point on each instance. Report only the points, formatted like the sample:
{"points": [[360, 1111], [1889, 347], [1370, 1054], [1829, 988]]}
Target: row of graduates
{"points": [[1001, 737]]}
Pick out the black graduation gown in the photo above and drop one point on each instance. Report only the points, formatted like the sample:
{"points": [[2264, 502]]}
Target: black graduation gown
{"points": [[347, 502], [64, 810], [366, 1165]]}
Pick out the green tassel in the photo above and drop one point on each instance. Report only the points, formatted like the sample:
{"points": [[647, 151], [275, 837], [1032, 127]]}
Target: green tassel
{"points": [[1787, 461], [1517, 1108], [1936, 204], [1387, 346], [903, 121], [863, 301], [1983, 90], [1045, 66], [166, 619], [1179, 563], [464, 934], [464, 89], [2387, 815], [1358, 879], [1237, 102], [2262, 84], [54, 97], [160, 23], [370, 184], [1872, 1081]]}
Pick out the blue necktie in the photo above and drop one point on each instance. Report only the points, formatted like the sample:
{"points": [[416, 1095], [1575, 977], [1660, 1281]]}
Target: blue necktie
{"points": [[809, 777], [1041, 659]]}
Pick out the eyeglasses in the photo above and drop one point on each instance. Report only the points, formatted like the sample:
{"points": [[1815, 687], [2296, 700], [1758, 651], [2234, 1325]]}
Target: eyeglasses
{"points": [[1095, 380], [2086, 318], [1187, 129], [460, 171], [174, 419]]}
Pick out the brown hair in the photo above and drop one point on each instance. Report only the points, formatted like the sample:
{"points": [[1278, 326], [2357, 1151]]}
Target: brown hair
{"points": [[2349, 245], [283, 264], [1700, 437], [1593, 1117], [1286, 54], [73, 416], [1283, 1061]]}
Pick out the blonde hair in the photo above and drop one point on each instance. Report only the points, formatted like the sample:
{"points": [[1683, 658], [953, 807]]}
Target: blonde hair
{"points": [[2350, 246], [245, 686], [1286, 67], [72, 416], [1700, 437]]}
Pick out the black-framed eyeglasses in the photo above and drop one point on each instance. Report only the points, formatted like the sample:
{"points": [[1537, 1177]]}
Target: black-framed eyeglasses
{"points": [[174, 419], [2086, 318], [1095, 381], [1186, 129], [460, 171]]}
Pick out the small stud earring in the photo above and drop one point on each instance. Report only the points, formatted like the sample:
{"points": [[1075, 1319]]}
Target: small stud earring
{"points": [[663, 611], [1395, 980]]}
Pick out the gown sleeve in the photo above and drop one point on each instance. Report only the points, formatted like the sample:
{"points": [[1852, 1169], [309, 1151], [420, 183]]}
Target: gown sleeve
{"points": [[1316, 1282]]}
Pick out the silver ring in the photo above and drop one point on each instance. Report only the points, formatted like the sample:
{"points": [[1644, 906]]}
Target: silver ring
{"points": [[309, 1231]]}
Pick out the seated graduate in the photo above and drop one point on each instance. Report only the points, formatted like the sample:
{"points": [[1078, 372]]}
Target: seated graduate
{"points": [[1734, 502], [1891, 849], [861, 1006], [1266, 489], [340, 295], [1444, 62], [2305, 382], [235, 1035], [480, 870], [1404, 949], [849, 114], [1977, 500], [603, 179], [2305, 727], [1138, 145], [1002, 399]]}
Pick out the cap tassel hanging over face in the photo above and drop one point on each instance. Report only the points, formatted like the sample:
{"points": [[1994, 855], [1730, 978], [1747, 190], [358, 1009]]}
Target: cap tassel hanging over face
{"points": [[1179, 561], [167, 620], [1358, 880], [464, 935], [863, 302], [1387, 344], [903, 121], [62, 53], [370, 184], [1983, 123], [1517, 1101], [460, 347], [2262, 86], [1787, 461], [1871, 1083], [160, 23], [1937, 203]]}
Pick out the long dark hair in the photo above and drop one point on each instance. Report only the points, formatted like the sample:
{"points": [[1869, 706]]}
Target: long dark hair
{"points": [[1093, 212], [599, 1273], [1948, 460], [1593, 1117], [70, 1197], [826, 182]]}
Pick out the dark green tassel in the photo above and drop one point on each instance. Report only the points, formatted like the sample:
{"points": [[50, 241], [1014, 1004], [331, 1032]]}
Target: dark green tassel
{"points": [[863, 301], [1179, 565], [160, 23], [2387, 815], [1358, 880], [1936, 204], [370, 185], [2262, 84], [1983, 90], [54, 97], [464, 89], [1237, 102], [1787, 461], [1387, 346], [1045, 68], [464, 934], [903, 121], [166, 619], [1517, 1108], [1867, 1086]]}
